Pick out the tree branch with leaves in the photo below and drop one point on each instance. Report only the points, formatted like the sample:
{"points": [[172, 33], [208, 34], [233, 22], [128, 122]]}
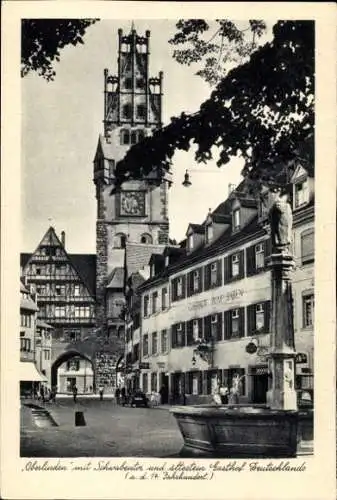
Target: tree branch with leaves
{"points": [[262, 110], [43, 39]]}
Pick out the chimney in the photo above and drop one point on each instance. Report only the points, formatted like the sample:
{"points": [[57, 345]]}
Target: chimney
{"points": [[63, 239]]}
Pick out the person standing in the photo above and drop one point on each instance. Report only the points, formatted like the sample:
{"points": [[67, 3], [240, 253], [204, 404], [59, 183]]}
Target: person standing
{"points": [[118, 395], [75, 393], [123, 395], [223, 391], [101, 391], [42, 393]]}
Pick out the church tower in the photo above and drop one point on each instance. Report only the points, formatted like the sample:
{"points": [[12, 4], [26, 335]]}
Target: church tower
{"points": [[136, 214]]}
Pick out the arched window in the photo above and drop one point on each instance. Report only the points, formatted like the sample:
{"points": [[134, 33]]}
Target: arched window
{"points": [[141, 135], [134, 137], [125, 137], [119, 240], [146, 238]]}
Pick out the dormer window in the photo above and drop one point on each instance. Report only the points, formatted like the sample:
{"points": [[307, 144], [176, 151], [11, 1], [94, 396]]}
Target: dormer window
{"points": [[167, 260], [190, 242], [236, 219], [301, 193], [209, 233]]}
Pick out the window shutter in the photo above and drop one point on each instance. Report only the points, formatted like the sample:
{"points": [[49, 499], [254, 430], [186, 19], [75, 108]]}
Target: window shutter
{"points": [[183, 284], [267, 249], [227, 325], [219, 273], [207, 276], [174, 290], [200, 325], [267, 311], [207, 329], [209, 382], [226, 378], [250, 261], [200, 383], [190, 284], [189, 327], [183, 336], [251, 319], [241, 322], [219, 327], [242, 264], [200, 279], [227, 269], [174, 335], [189, 387]]}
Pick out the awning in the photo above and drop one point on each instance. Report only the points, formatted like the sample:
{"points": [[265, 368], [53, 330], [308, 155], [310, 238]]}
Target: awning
{"points": [[29, 373]]}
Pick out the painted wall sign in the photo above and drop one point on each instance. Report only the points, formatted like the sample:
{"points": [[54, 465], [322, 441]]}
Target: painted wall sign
{"points": [[218, 299]]}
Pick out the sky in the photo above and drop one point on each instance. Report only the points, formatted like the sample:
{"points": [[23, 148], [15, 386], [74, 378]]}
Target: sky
{"points": [[61, 121]]}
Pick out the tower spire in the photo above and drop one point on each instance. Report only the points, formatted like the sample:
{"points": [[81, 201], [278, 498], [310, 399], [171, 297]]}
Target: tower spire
{"points": [[132, 26]]}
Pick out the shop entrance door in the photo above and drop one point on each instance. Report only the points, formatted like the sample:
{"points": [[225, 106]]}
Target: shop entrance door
{"points": [[164, 385], [71, 382], [260, 384]]}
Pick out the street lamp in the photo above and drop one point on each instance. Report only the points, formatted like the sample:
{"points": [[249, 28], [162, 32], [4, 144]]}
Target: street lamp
{"points": [[187, 182]]}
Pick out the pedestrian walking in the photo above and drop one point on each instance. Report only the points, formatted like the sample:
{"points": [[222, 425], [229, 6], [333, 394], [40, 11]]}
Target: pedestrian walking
{"points": [[101, 392], [123, 395], [118, 395], [75, 393], [42, 393]]}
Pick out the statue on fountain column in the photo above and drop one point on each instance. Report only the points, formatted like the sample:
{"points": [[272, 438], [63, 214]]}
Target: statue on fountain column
{"points": [[281, 221]]}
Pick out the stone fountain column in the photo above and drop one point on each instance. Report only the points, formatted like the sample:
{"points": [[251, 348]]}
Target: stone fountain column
{"points": [[282, 394]]}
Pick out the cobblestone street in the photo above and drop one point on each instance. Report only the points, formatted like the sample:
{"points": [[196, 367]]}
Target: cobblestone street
{"points": [[110, 431]]}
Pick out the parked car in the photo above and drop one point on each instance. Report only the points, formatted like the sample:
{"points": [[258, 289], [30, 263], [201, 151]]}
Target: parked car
{"points": [[138, 398]]}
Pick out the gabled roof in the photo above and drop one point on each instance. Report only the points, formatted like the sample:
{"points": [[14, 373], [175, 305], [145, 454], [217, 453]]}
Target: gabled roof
{"points": [[83, 264], [116, 278], [105, 148], [196, 228], [138, 255]]}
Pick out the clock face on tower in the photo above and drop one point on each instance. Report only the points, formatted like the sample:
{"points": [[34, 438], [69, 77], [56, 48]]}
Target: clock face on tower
{"points": [[132, 203]]}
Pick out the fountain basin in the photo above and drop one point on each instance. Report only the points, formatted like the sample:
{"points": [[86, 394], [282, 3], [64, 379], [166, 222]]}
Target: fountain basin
{"points": [[237, 431]]}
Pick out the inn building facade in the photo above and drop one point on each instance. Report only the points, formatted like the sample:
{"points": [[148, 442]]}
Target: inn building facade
{"points": [[206, 316]]}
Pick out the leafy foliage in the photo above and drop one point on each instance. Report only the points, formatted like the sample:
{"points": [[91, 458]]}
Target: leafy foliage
{"points": [[42, 39], [263, 111], [228, 44]]}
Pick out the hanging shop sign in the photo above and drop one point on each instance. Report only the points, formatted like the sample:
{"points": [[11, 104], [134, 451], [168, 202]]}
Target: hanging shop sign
{"points": [[251, 348], [301, 358]]}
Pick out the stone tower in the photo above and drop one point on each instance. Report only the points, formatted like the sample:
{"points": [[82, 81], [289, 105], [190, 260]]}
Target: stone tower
{"points": [[138, 212]]}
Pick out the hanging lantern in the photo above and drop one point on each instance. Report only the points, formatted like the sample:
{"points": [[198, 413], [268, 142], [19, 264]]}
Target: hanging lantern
{"points": [[187, 182]]}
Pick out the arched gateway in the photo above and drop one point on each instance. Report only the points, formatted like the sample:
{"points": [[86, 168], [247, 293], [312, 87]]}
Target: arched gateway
{"points": [[73, 368]]}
